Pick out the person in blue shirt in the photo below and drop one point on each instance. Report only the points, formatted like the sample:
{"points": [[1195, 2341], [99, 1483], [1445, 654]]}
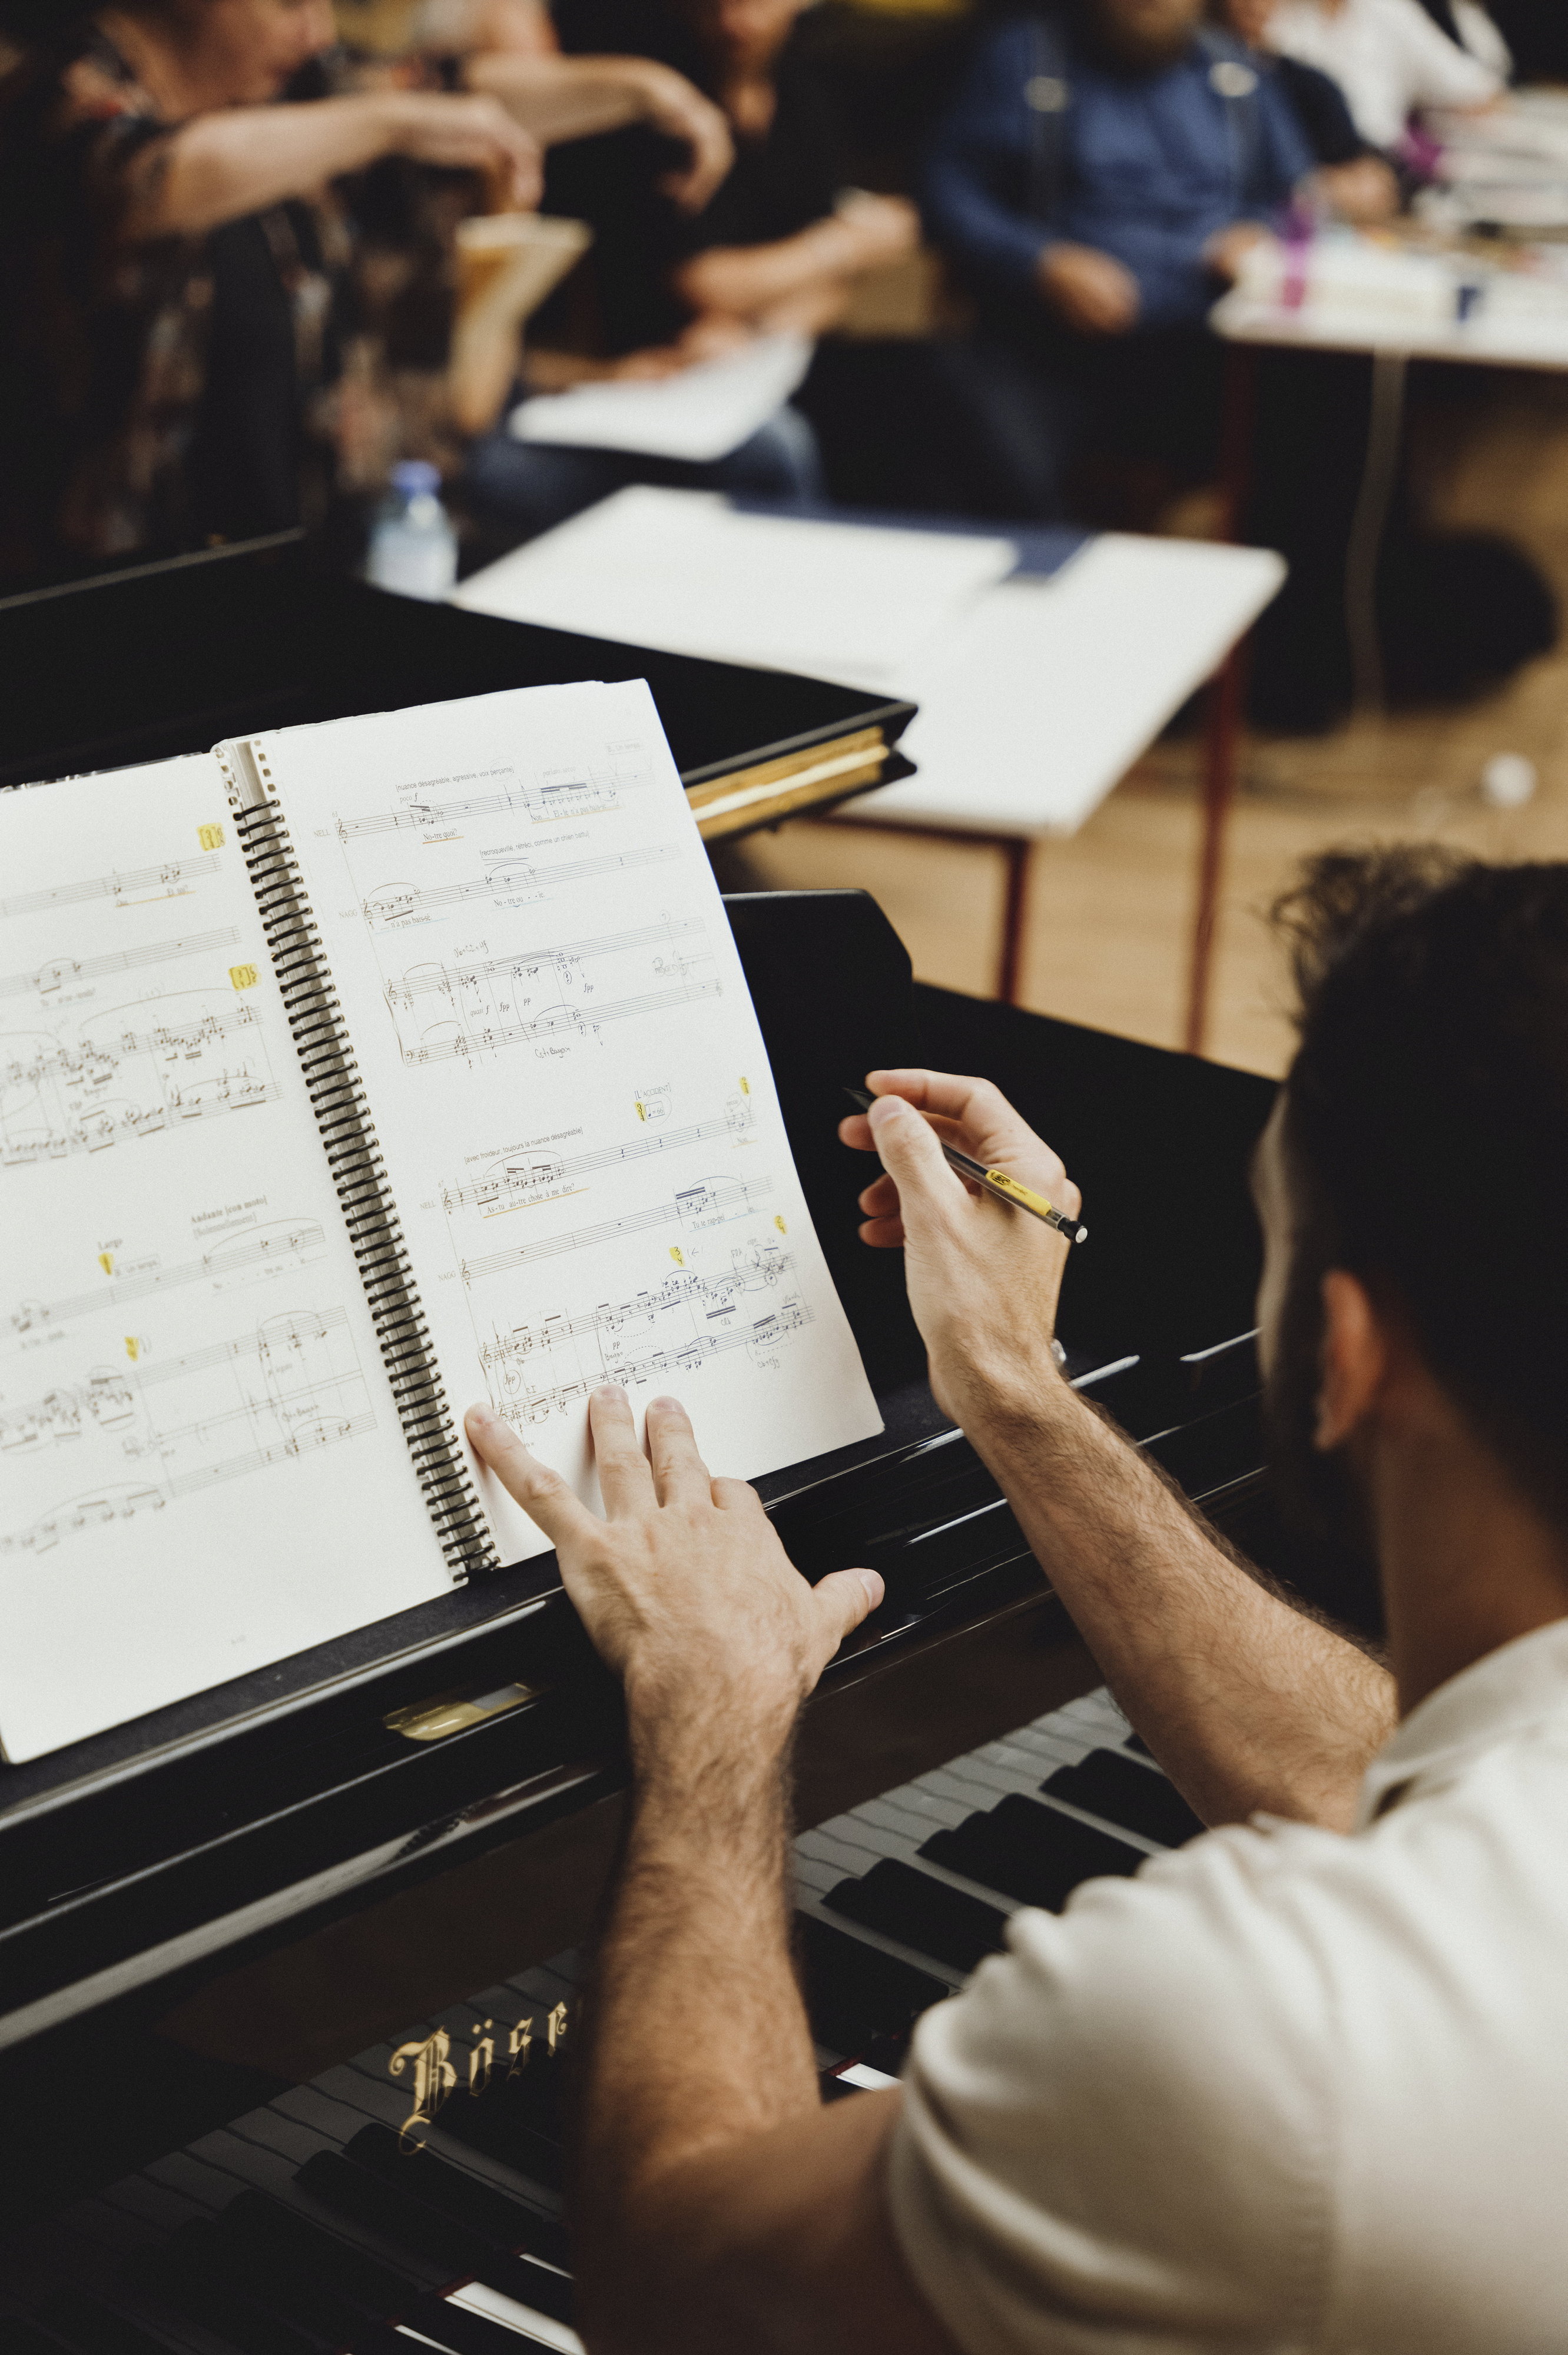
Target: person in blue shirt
{"points": [[1096, 183]]}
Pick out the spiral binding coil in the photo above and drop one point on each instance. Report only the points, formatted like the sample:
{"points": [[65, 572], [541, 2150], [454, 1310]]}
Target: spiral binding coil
{"points": [[358, 1172]]}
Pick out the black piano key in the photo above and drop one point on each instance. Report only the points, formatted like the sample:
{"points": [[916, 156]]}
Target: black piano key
{"points": [[507, 2224], [907, 1904], [1030, 1852], [395, 2214], [188, 2277], [267, 2234], [86, 2327], [855, 1992], [499, 2126], [301, 2292], [1107, 1783]]}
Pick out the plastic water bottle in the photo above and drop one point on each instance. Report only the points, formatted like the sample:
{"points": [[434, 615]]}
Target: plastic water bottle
{"points": [[413, 548]]}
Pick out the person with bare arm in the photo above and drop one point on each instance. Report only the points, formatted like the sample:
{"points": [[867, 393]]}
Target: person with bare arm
{"points": [[1303, 2084]]}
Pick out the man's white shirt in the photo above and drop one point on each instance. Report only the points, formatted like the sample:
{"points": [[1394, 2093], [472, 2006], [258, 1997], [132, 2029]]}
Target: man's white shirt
{"points": [[1287, 2091], [1387, 55]]}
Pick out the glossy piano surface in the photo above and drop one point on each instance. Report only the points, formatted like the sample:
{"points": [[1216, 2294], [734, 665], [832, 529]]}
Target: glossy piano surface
{"points": [[228, 1896], [413, 2192]]}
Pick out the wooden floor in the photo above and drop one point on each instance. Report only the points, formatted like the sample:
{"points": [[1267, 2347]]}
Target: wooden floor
{"points": [[1111, 910]]}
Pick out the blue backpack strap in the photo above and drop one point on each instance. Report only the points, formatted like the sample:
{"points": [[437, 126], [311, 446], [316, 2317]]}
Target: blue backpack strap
{"points": [[1235, 77], [1048, 95]]}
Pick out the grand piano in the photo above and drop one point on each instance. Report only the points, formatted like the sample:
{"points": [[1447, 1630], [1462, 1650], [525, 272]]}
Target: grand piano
{"points": [[288, 1971]]}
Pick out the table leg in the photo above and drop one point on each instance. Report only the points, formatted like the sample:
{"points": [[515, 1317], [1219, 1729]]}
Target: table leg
{"points": [[1384, 426], [1222, 742], [1015, 908]]}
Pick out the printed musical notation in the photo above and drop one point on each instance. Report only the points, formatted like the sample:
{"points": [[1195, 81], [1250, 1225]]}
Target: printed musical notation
{"points": [[393, 903], [567, 792], [60, 1096], [709, 1203], [526, 1177], [562, 961], [548, 1366], [64, 972], [445, 1043], [172, 878], [291, 1385], [282, 1244]]}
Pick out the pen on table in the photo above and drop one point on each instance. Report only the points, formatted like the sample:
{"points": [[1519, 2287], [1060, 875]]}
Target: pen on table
{"points": [[995, 1181]]}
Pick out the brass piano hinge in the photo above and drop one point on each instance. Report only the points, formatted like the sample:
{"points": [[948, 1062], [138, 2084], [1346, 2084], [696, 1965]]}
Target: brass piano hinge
{"points": [[431, 1720]]}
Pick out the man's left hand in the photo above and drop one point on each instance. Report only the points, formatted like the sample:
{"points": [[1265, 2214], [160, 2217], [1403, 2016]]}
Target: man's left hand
{"points": [[684, 1587]]}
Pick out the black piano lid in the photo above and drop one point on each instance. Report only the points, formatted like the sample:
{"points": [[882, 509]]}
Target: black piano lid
{"points": [[172, 658]]}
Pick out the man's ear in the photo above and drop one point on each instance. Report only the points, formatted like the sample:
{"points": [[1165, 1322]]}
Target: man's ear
{"points": [[1355, 1358]]}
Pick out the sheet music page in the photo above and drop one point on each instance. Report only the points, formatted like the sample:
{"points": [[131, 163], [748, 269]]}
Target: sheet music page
{"points": [[566, 1078], [203, 1468]]}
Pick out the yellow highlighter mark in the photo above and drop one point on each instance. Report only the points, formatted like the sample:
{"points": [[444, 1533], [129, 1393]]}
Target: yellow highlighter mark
{"points": [[780, 1226], [243, 977], [642, 1111], [745, 1086], [209, 837], [677, 1255], [132, 1347], [106, 1261]]}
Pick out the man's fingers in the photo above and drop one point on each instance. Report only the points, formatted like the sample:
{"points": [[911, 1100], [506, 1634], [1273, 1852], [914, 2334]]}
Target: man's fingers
{"points": [[883, 1234], [974, 1116], [879, 1200], [543, 1494], [623, 1477], [912, 1155], [841, 1602], [679, 1472]]}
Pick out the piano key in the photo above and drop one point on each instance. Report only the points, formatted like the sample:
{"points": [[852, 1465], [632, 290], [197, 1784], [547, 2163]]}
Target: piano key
{"points": [[921, 1911], [478, 2298], [1111, 1785], [190, 2275], [854, 1992], [1031, 1852], [505, 2222], [395, 2215], [81, 2325]]}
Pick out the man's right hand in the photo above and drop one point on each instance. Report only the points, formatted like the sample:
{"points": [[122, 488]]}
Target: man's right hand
{"points": [[1089, 291], [983, 1279]]}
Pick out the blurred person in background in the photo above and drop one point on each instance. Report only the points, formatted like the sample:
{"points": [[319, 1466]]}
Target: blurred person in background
{"points": [[1097, 184], [1352, 180], [779, 247], [179, 280], [170, 324], [1389, 58]]}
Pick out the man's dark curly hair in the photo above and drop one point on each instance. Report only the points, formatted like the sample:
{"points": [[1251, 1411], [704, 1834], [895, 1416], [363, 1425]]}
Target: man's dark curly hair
{"points": [[1426, 1122]]}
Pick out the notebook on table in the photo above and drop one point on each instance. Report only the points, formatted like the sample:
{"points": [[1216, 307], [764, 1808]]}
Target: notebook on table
{"points": [[355, 1072]]}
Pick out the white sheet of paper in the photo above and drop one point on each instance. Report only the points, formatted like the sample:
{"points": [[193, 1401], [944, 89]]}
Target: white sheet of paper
{"points": [[703, 413], [567, 1077], [203, 1468], [1048, 690], [681, 569]]}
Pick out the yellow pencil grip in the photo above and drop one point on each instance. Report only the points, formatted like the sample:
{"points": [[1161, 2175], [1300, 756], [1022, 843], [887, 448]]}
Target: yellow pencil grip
{"points": [[1006, 1185]]}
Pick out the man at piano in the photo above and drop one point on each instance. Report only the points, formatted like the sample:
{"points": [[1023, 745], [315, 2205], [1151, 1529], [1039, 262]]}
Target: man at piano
{"points": [[1302, 2084]]}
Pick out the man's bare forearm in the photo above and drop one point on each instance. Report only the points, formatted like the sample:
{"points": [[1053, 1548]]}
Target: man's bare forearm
{"points": [[1247, 1702], [696, 2034]]}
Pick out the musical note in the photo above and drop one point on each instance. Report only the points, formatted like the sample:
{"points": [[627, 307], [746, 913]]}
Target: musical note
{"points": [[60, 1096], [390, 904], [555, 1022], [293, 1384], [281, 1243], [525, 1404], [422, 981], [172, 878], [60, 973], [559, 794], [523, 1178], [706, 1204]]}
